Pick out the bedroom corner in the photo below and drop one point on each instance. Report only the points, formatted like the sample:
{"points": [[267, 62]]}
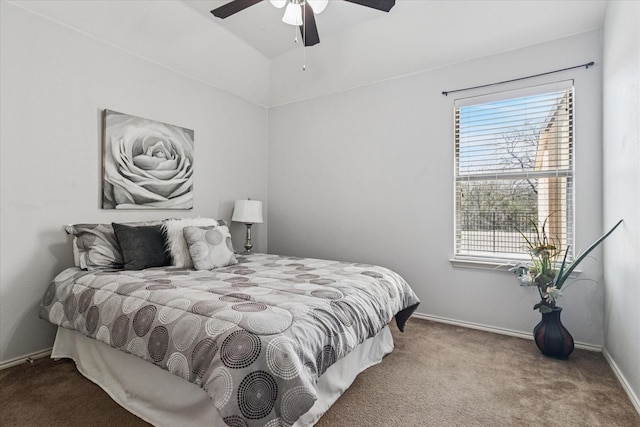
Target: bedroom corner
{"points": [[56, 81]]}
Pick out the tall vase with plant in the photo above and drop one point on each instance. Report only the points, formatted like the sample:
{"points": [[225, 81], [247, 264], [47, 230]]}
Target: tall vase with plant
{"points": [[549, 276]]}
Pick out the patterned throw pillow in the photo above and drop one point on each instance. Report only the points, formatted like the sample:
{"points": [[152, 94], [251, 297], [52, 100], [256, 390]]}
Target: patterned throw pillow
{"points": [[210, 247], [96, 246], [176, 241]]}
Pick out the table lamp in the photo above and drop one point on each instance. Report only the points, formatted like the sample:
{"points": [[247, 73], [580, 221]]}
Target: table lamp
{"points": [[248, 212]]}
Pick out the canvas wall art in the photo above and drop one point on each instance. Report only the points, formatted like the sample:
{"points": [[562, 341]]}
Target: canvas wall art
{"points": [[147, 164]]}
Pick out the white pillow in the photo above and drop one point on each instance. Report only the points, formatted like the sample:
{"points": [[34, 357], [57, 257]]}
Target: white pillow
{"points": [[210, 247], [175, 238]]}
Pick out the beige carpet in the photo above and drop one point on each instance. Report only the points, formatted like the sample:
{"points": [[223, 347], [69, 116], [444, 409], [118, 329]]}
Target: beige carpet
{"points": [[438, 375]]}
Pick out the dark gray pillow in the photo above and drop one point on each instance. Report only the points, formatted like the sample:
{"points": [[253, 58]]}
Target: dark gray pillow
{"points": [[142, 247]]}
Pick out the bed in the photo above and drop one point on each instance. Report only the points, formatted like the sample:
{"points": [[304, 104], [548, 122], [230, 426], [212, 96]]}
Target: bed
{"points": [[268, 340]]}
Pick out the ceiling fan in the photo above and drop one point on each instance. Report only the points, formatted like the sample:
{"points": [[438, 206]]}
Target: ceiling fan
{"points": [[299, 12]]}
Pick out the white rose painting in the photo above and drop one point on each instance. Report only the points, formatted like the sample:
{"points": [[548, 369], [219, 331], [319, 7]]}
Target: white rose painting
{"points": [[147, 164]]}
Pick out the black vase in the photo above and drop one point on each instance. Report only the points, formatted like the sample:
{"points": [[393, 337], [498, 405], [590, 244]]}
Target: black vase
{"points": [[552, 338]]}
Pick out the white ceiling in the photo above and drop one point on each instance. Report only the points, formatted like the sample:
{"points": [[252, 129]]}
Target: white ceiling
{"points": [[261, 25], [252, 54]]}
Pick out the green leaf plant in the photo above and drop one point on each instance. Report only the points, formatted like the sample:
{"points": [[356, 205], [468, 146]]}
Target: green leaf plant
{"points": [[543, 270]]}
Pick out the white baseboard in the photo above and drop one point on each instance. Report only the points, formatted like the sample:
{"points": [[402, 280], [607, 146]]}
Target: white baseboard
{"points": [[495, 330], [27, 357], [623, 381]]}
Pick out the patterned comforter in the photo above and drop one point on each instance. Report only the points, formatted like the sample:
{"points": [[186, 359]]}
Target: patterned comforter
{"points": [[255, 336]]}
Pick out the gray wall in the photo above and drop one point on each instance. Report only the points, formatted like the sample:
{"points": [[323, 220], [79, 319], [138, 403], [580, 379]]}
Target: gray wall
{"points": [[366, 175], [621, 154], [55, 82]]}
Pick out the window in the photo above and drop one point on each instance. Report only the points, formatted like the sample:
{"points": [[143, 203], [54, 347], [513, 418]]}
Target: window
{"points": [[514, 169]]}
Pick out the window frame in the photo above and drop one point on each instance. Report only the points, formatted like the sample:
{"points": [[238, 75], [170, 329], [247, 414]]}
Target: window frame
{"points": [[491, 260]]}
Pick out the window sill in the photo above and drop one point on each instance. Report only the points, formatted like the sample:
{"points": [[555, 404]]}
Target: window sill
{"points": [[491, 264], [482, 264]]}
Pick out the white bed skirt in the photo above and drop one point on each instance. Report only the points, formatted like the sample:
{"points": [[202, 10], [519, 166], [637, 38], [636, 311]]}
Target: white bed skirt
{"points": [[163, 399]]}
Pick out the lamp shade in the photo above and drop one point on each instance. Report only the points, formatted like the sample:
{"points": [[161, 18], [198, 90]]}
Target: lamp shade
{"points": [[279, 3], [318, 5], [247, 211], [293, 14]]}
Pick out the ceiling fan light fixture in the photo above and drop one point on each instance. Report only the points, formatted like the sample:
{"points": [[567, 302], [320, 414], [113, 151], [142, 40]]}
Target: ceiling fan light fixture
{"points": [[299, 13], [280, 3], [293, 15], [318, 5]]}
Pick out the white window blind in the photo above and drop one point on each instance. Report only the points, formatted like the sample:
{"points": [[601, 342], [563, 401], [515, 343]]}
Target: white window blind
{"points": [[514, 168]]}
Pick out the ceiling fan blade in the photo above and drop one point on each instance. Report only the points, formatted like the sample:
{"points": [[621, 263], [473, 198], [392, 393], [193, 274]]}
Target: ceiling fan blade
{"points": [[232, 7], [384, 5], [308, 29]]}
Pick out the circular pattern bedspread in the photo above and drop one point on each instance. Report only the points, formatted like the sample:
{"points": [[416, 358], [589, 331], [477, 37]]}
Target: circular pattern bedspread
{"points": [[255, 336]]}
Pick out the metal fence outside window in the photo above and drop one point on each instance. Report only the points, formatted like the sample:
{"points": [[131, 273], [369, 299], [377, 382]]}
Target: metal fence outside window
{"points": [[497, 232]]}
